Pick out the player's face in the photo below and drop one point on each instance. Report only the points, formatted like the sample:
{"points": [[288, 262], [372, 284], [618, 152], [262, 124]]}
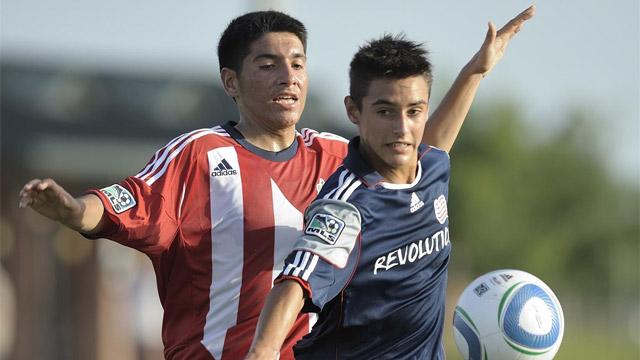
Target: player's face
{"points": [[391, 123], [272, 83]]}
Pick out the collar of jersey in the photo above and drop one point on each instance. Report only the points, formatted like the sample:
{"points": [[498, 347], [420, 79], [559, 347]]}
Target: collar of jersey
{"points": [[279, 156], [361, 168]]}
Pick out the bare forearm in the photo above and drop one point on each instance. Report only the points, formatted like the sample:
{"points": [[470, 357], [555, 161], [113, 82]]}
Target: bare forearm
{"points": [[89, 221], [276, 319], [445, 123]]}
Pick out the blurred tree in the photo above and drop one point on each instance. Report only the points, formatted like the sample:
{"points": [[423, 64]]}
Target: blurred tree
{"points": [[546, 205]]}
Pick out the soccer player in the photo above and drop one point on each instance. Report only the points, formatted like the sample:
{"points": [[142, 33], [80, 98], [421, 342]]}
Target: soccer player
{"points": [[372, 260], [217, 210]]}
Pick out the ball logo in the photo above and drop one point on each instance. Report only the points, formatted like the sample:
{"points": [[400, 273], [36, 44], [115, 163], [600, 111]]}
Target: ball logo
{"points": [[440, 208], [481, 289]]}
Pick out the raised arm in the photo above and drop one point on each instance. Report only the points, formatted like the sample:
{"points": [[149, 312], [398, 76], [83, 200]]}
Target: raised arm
{"points": [[276, 319], [444, 124], [82, 214]]}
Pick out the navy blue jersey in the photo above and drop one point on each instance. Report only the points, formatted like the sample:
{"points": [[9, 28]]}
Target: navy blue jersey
{"points": [[373, 261]]}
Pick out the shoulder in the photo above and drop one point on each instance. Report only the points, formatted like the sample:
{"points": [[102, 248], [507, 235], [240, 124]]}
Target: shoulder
{"points": [[324, 141], [341, 185], [433, 155], [181, 149], [332, 229], [204, 136], [208, 137]]}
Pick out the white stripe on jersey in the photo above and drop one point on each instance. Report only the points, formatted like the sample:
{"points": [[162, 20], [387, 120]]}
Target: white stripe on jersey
{"points": [[171, 150], [161, 153], [288, 226], [227, 242], [350, 190], [312, 266], [347, 184], [296, 263], [220, 131], [303, 264], [341, 182], [172, 156], [308, 135]]}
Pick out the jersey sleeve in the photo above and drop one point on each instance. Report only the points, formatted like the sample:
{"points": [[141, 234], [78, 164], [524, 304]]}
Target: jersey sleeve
{"points": [[325, 142], [141, 211], [325, 256]]}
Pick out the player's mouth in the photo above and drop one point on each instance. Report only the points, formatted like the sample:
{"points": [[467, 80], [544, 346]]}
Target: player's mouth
{"points": [[400, 146], [286, 100]]}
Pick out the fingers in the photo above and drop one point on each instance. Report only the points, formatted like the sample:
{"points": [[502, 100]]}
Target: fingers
{"points": [[514, 25], [32, 189], [491, 34]]}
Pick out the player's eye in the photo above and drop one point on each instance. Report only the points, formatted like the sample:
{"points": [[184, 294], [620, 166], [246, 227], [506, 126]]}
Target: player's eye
{"points": [[384, 112], [298, 66], [267, 66]]}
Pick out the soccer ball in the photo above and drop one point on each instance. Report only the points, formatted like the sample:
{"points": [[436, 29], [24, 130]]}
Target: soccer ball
{"points": [[507, 315]]}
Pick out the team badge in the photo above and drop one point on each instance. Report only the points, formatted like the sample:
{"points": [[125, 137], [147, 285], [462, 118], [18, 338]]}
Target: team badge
{"points": [[326, 227], [120, 198], [440, 208]]}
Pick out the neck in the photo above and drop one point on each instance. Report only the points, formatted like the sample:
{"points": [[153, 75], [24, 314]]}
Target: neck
{"points": [[268, 139], [405, 174]]}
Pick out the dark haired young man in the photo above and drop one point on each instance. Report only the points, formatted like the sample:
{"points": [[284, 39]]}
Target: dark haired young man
{"points": [[217, 210], [373, 258]]}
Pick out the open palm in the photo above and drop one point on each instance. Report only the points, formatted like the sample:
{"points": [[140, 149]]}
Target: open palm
{"points": [[495, 42]]}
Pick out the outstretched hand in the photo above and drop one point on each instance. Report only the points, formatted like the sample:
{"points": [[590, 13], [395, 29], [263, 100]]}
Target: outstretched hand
{"points": [[51, 200], [495, 42]]}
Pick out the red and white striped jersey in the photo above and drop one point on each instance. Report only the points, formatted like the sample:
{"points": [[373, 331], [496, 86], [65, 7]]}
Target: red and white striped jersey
{"points": [[217, 216]]}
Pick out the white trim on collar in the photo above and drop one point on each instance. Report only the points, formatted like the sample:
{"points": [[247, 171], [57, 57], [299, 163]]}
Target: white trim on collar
{"points": [[392, 186]]}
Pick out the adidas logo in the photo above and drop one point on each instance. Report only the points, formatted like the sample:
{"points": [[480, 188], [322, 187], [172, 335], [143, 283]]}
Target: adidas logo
{"points": [[224, 169], [416, 203]]}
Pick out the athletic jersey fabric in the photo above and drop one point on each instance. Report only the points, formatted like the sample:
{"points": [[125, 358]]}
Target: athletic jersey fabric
{"points": [[217, 216], [373, 261]]}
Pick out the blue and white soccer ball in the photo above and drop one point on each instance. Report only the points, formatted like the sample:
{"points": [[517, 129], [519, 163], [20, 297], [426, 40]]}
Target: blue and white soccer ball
{"points": [[508, 315]]}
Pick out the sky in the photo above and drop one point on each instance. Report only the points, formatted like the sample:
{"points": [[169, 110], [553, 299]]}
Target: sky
{"points": [[573, 56]]}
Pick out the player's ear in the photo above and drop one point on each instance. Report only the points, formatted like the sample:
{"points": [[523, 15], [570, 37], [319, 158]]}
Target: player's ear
{"points": [[229, 80], [352, 110]]}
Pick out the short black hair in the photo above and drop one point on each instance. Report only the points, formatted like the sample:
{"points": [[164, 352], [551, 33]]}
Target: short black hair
{"points": [[389, 57], [242, 31]]}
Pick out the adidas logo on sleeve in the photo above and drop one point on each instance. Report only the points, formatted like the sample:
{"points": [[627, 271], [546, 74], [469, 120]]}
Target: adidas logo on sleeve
{"points": [[224, 169]]}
